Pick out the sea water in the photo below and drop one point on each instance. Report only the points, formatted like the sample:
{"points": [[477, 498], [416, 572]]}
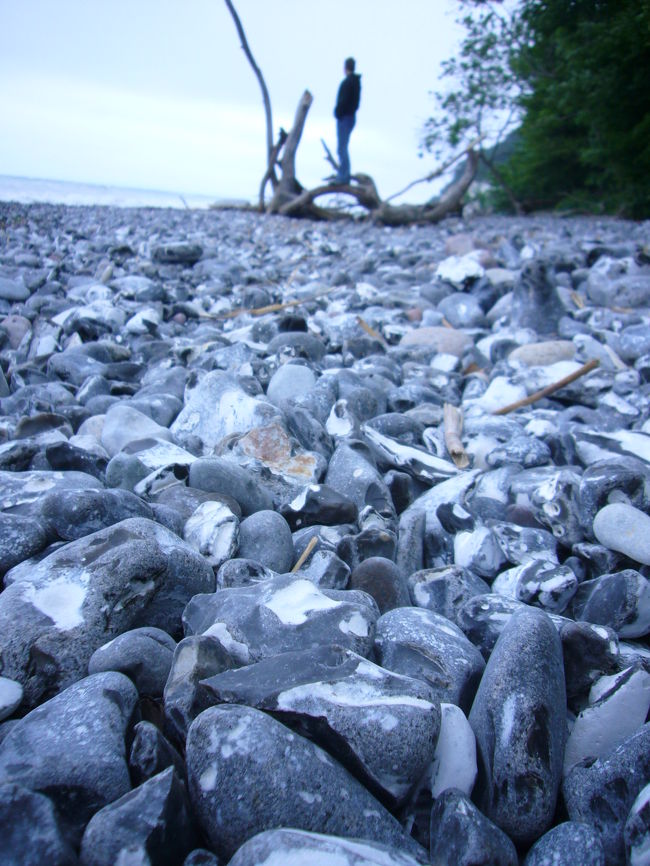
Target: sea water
{"points": [[29, 190]]}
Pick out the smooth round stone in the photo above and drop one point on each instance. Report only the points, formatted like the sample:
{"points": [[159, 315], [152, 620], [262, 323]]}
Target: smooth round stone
{"points": [[283, 614], [143, 654], [462, 310], [635, 340], [383, 580], [16, 327], [218, 475], [234, 753], [569, 842], [75, 513], [629, 291], [11, 694], [460, 835], [290, 380], [303, 345], [123, 425], [519, 719], [543, 354], [162, 408], [289, 846], [460, 270], [483, 617], [265, 537], [460, 244], [624, 528], [637, 830], [12, 290], [620, 601], [407, 430], [440, 339], [201, 857]]}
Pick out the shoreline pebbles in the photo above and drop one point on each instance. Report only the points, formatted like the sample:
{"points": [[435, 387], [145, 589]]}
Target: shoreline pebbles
{"points": [[252, 610]]}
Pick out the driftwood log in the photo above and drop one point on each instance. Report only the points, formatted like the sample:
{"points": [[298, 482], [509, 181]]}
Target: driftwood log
{"points": [[290, 198]]}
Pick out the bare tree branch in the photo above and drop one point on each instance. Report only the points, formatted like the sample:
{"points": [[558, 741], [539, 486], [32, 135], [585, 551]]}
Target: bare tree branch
{"points": [[439, 171], [328, 155], [260, 78]]}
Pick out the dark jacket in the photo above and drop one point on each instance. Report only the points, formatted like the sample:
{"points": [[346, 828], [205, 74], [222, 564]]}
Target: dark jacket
{"points": [[348, 97]]}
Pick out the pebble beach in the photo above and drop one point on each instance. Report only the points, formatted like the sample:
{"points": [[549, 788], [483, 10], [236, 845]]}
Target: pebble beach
{"points": [[308, 555]]}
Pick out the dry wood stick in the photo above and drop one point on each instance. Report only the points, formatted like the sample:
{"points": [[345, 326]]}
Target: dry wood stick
{"points": [[371, 331], [269, 308], [453, 423], [301, 561], [550, 389], [328, 156]]}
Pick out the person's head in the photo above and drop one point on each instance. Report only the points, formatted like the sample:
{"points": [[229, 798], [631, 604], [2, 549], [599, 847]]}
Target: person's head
{"points": [[349, 65]]}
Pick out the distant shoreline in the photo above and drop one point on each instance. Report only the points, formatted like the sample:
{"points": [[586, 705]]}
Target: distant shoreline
{"points": [[25, 190]]}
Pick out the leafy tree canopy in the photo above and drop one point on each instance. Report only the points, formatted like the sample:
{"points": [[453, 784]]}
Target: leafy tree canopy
{"points": [[572, 76]]}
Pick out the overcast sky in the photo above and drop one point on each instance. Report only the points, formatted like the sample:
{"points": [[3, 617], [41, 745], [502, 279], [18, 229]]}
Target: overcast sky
{"points": [[157, 94]]}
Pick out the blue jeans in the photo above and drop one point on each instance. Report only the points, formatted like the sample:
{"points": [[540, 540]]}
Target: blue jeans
{"points": [[344, 127]]}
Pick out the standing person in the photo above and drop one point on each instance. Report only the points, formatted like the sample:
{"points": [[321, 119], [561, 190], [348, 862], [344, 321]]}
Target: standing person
{"points": [[347, 103]]}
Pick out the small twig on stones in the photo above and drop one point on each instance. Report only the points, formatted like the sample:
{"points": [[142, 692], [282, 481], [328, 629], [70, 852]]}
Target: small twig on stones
{"points": [[550, 389], [371, 331], [453, 423], [306, 552], [269, 308]]}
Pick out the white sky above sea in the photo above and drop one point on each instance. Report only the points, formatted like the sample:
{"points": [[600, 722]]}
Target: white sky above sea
{"points": [[158, 94]]}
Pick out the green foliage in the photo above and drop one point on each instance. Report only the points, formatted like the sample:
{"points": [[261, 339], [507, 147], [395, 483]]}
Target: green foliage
{"points": [[579, 73], [481, 99]]}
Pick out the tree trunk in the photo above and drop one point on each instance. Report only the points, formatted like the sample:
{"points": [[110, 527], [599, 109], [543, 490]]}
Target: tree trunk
{"points": [[288, 187]]}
